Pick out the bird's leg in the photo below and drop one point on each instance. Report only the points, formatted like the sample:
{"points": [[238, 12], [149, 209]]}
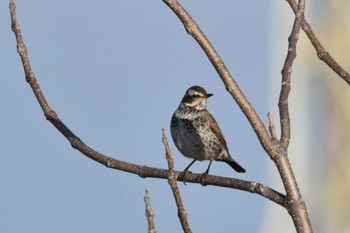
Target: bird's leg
{"points": [[185, 171], [207, 171], [205, 174]]}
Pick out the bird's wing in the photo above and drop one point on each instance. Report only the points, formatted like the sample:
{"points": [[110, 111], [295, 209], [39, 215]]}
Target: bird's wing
{"points": [[216, 130]]}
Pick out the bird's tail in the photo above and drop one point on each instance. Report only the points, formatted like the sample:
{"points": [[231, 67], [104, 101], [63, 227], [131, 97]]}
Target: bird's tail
{"points": [[235, 165]]}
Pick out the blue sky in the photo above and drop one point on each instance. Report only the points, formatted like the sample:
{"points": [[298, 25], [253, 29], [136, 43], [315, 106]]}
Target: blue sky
{"points": [[114, 72]]}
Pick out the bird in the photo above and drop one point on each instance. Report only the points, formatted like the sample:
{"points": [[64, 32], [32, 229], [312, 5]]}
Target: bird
{"points": [[196, 134]]}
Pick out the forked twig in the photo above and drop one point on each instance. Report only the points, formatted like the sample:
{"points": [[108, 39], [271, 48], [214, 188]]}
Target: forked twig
{"points": [[320, 50]]}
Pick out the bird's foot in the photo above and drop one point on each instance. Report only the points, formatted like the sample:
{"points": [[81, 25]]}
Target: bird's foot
{"points": [[203, 178], [182, 176]]}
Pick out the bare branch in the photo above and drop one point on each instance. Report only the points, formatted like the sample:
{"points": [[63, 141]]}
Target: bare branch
{"points": [[272, 126], [320, 50], [173, 184], [231, 85], [149, 214], [142, 171], [286, 77], [295, 203], [276, 149]]}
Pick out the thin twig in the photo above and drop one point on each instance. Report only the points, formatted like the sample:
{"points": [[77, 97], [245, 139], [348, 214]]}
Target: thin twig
{"points": [[142, 171], [272, 126], [173, 184], [320, 50], [286, 77], [149, 213]]}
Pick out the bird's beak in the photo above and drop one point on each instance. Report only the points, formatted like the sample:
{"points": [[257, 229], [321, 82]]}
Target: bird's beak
{"points": [[209, 94]]}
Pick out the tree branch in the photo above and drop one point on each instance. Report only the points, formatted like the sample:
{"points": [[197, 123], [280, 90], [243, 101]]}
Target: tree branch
{"points": [[277, 150], [295, 203], [142, 171], [272, 128], [173, 184], [149, 213], [320, 50], [286, 77], [231, 85]]}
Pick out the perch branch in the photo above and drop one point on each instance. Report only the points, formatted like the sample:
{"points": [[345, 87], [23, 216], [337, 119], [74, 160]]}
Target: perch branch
{"points": [[142, 171]]}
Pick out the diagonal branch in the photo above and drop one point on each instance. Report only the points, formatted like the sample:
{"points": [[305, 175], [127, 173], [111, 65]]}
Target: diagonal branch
{"points": [[231, 85], [320, 50], [142, 171], [275, 148]]}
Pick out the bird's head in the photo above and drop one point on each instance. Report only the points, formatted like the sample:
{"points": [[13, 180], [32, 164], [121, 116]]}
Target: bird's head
{"points": [[195, 97]]}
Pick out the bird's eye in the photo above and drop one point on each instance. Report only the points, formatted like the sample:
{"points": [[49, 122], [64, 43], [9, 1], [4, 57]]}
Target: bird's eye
{"points": [[195, 96]]}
